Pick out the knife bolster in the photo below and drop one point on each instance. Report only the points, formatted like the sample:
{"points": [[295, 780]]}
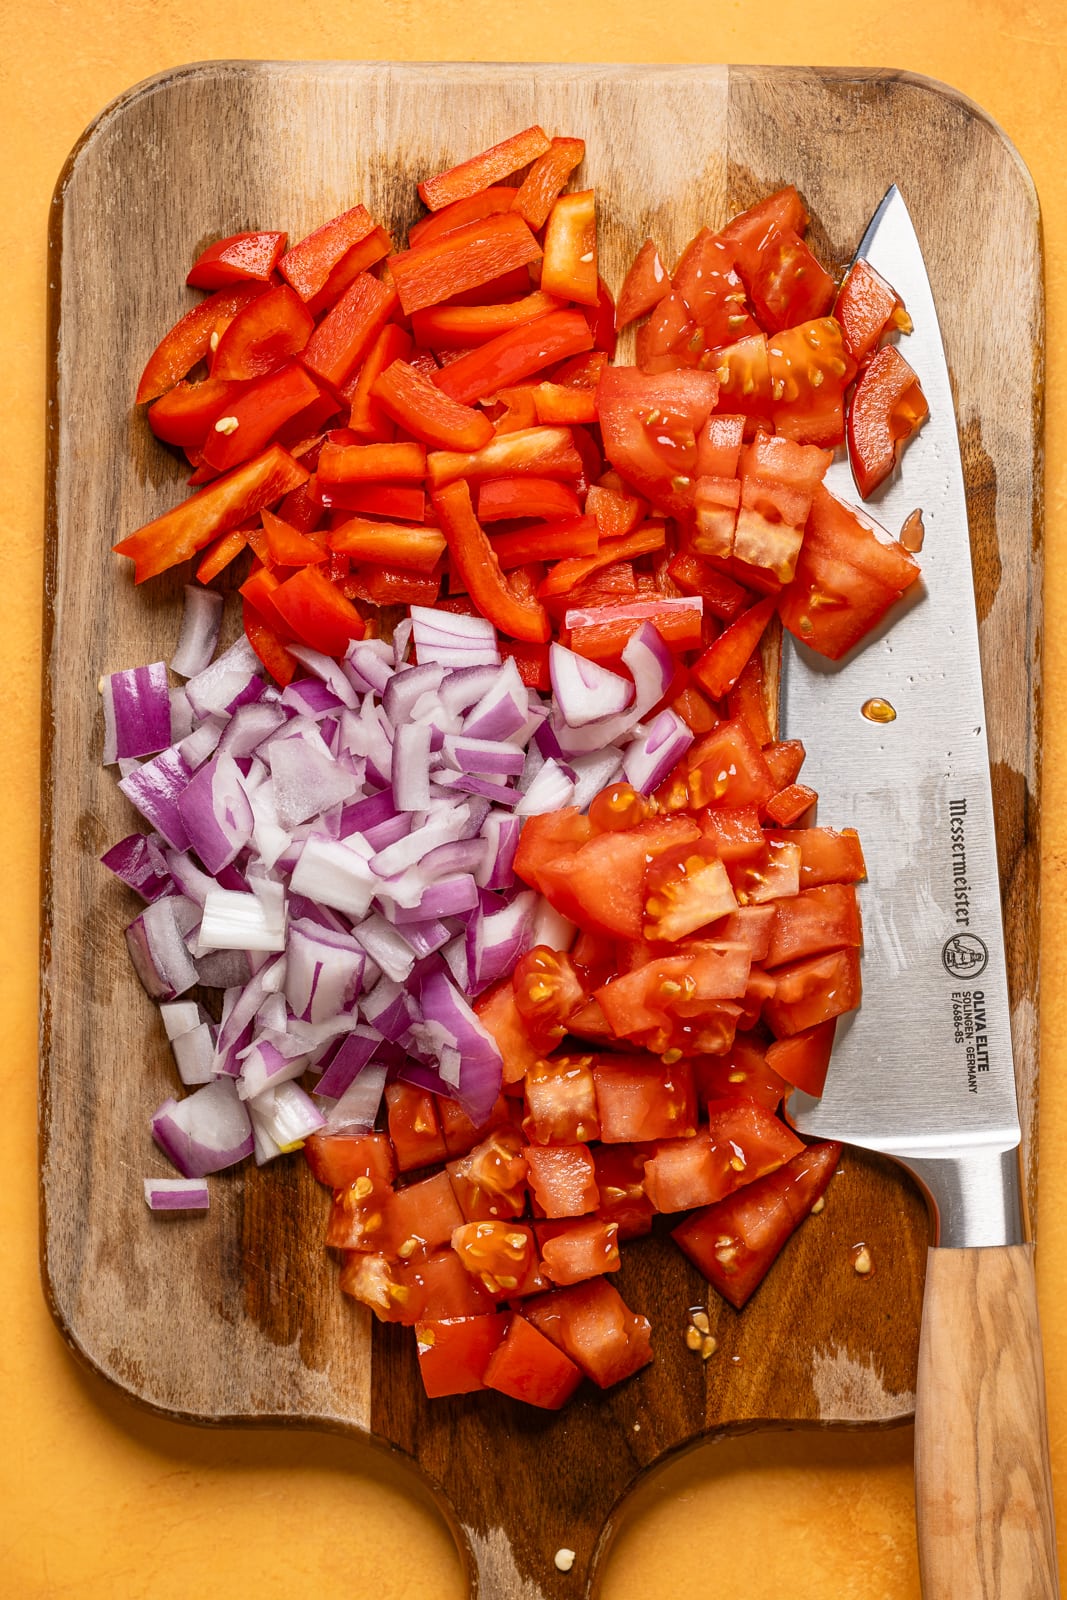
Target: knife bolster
{"points": [[975, 1196]]}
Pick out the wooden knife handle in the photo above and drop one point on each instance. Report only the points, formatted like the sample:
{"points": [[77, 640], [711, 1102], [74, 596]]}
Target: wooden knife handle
{"points": [[982, 1483]]}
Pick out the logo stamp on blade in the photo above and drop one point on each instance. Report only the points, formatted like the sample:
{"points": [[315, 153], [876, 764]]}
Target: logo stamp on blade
{"points": [[964, 956]]}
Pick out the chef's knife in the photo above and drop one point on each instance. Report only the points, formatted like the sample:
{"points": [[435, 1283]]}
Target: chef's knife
{"points": [[923, 1070]]}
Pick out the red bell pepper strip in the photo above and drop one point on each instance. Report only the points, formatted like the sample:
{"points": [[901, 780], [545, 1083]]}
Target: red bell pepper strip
{"points": [[518, 409], [307, 265], [720, 667], [474, 208], [184, 414], [557, 402], [475, 563], [388, 586], [412, 549], [563, 578], [546, 452], [515, 355], [501, 499], [268, 646], [345, 334], [215, 510], [531, 660], [547, 541], [886, 408], [644, 286], [546, 178], [509, 286], [465, 258], [252, 419], [259, 589], [601, 319], [242, 257], [368, 419], [317, 612], [189, 341], [273, 328], [374, 248], [366, 463], [459, 327], [397, 501], [601, 633], [221, 554], [568, 268], [287, 546], [500, 161], [427, 413]]}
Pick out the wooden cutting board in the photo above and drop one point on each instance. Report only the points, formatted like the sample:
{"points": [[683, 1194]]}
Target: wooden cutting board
{"points": [[235, 1316]]}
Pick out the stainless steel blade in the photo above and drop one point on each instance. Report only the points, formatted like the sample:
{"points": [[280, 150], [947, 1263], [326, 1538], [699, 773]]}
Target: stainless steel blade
{"points": [[923, 1070]]}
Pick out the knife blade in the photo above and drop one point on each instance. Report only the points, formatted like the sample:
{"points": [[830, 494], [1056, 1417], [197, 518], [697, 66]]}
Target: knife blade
{"points": [[923, 1071]]}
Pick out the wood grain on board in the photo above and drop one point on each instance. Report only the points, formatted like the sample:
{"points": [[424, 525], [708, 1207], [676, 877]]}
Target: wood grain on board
{"points": [[235, 1316]]}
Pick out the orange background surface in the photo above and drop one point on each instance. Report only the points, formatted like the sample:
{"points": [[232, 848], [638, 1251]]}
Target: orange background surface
{"points": [[103, 1502]]}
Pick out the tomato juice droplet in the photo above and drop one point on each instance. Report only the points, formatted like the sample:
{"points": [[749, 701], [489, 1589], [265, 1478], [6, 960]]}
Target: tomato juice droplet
{"points": [[913, 532], [878, 710]]}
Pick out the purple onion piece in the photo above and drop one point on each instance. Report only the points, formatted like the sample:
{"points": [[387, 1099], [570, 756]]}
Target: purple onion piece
{"points": [[136, 712], [176, 1194], [154, 790], [140, 864], [206, 1132], [351, 1056], [649, 759], [156, 942], [585, 691], [199, 636]]}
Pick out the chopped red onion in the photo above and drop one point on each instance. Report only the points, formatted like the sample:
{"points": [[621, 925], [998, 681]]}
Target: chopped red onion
{"points": [[551, 927], [496, 938], [156, 942], [205, 1132], [348, 1061], [484, 756], [453, 640], [216, 813], [649, 759], [199, 636], [307, 780], [386, 947], [282, 1117], [501, 835], [194, 1054], [136, 712], [357, 1109], [480, 1064], [236, 921], [551, 789], [335, 873], [230, 680], [140, 864], [584, 690], [176, 1194], [328, 671], [369, 665], [154, 790], [592, 773], [411, 764]]}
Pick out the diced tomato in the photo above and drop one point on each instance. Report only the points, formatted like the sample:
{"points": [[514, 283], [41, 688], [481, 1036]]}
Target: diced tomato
{"points": [[640, 1098], [560, 1099], [812, 991], [866, 306], [454, 1352], [400, 1291], [826, 856], [886, 408], [785, 282], [803, 1059], [562, 1181], [338, 1159], [595, 1327], [720, 666], [707, 281], [683, 1173], [789, 805], [735, 1243], [602, 885], [414, 1126], [572, 1251], [498, 1013], [743, 1073], [545, 838], [460, 1133], [620, 1179], [726, 768], [814, 921], [686, 890], [548, 989], [490, 1180], [650, 427], [499, 1255], [528, 1366], [785, 758]]}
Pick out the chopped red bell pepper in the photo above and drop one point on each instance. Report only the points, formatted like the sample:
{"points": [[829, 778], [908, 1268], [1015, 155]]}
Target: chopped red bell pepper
{"points": [[514, 355], [184, 414], [267, 332], [186, 528], [477, 173], [547, 541], [501, 499], [287, 546], [268, 646], [345, 334], [368, 419], [253, 417], [466, 258], [720, 667], [460, 327], [544, 452], [238, 259], [413, 549], [368, 463], [317, 613], [189, 341], [546, 178], [473, 559], [427, 412], [568, 268], [307, 265]]}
